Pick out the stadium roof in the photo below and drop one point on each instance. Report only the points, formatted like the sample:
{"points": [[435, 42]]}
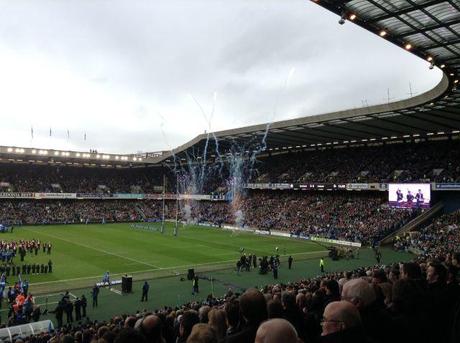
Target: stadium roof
{"points": [[429, 29]]}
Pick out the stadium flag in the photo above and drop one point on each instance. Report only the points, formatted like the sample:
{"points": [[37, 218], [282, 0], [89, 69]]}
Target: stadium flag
{"points": [[32, 132], [68, 134], [50, 132], [84, 137]]}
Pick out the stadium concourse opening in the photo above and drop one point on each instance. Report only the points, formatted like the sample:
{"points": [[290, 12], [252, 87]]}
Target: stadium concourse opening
{"points": [[331, 228]]}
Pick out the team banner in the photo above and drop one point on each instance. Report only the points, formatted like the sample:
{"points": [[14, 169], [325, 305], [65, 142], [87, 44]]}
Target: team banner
{"points": [[94, 196], [16, 195], [358, 186], [128, 196], [55, 195], [447, 186], [335, 241]]}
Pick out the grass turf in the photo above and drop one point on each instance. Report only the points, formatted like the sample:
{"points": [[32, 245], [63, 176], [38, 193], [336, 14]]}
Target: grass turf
{"points": [[81, 254]]}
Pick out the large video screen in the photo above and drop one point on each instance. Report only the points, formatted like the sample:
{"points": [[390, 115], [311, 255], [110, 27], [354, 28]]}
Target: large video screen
{"points": [[409, 195]]}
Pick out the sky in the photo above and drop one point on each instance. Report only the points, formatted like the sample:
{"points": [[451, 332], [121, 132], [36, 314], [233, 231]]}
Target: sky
{"points": [[151, 75]]}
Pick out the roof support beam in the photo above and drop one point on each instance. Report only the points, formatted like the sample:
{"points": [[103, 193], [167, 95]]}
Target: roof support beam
{"points": [[407, 10]]}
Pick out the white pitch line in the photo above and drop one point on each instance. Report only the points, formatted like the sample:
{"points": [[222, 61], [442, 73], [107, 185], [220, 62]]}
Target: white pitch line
{"points": [[49, 295], [157, 269], [116, 291], [96, 249]]}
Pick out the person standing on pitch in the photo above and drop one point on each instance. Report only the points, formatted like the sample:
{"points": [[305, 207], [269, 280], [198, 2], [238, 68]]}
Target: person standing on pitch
{"points": [[290, 259], [95, 294], [83, 305], [275, 270], [195, 288], [321, 264], [145, 291]]}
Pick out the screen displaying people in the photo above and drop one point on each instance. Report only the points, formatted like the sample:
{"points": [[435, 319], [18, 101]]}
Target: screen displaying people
{"points": [[409, 195]]}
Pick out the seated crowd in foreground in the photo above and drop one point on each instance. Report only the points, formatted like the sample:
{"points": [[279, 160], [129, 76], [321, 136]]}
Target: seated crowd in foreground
{"points": [[408, 302]]}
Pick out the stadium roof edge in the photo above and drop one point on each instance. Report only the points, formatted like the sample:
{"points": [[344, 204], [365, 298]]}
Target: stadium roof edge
{"points": [[429, 29], [438, 91]]}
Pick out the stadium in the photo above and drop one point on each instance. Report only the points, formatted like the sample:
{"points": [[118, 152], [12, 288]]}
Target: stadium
{"points": [[335, 227]]}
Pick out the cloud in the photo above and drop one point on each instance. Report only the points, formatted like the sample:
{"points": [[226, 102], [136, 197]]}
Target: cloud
{"points": [[124, 71]]}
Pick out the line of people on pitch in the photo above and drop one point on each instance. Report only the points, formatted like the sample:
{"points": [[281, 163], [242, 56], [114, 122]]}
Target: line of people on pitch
{"points": [[26, 269], [265, 264], [246, 261], [67, 306]]}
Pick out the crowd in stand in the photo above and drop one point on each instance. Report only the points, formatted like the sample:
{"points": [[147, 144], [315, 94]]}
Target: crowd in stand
{"points": [[407, 302], [363, 217], [428, 161], [359, 217], [435, 239], [435, 161], [64, 179], [19, 212]]}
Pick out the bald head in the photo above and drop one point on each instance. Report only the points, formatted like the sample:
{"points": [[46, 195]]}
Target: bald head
{"points": [[359, 292], [276, 330], [339, 316], [150, 326]]}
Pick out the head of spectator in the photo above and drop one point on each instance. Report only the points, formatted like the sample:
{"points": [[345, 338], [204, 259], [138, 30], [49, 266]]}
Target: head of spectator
{"points": [[203, 313], [275, 309], [276, 330], [288, 301], [411, 270], [340, 316], [436, 272], [218, 321], [202, 333], [253, 307], [151, 328], [187, 321], [301, 301], [359, 292], [332, 289], [379, 276], [394, 275], [130, 321], [232, 311]]}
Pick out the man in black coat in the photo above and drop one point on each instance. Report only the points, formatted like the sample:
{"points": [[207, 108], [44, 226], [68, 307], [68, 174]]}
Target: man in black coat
{"points": [[83, 305], [290, 259], [77, 306]]}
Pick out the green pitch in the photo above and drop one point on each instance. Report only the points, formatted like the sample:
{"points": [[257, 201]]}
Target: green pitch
{"points": [[81, 254]]}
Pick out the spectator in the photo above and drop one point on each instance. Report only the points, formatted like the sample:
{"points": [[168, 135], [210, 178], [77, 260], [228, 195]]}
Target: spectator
{"points": [[276, 330]]}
